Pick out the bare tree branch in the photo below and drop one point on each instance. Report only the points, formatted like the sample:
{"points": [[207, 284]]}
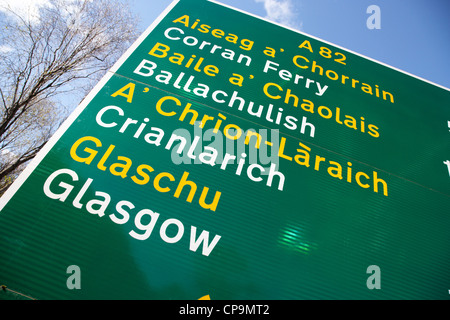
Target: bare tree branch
{"points": [[71, 44]]}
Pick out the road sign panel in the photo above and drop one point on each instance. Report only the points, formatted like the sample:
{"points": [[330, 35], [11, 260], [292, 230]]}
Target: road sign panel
{"points": [[228, 156]]}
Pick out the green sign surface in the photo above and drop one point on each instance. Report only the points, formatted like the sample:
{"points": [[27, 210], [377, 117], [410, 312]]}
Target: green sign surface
{"points": [[228, 156]]}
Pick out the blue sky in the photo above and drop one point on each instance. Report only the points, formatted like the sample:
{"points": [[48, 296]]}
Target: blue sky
{"points": [[414, 34]]}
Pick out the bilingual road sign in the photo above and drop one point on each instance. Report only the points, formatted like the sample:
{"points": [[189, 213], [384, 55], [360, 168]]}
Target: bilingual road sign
{"points": [[230, 157]]}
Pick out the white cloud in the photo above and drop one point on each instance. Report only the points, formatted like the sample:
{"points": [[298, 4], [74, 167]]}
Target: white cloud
{"points": [[281, 11], [5, 48], [28, 9]]}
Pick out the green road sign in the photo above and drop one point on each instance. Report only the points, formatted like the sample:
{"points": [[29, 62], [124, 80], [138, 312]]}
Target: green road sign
{"points": [[228, 156]]}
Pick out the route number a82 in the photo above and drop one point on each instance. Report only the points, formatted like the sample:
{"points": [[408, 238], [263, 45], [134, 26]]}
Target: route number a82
{"points": [[325, 52]]}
